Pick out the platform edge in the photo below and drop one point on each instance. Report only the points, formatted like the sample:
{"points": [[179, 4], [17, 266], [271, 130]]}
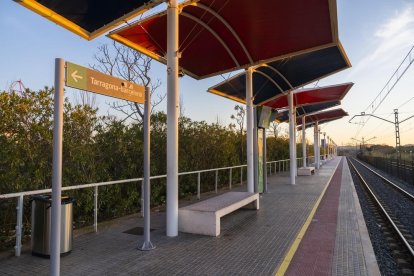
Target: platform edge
{"points": [[292, 250]]}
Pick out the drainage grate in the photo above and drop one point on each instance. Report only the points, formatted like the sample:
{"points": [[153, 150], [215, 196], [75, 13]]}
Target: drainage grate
{"points": [[138, 231]]}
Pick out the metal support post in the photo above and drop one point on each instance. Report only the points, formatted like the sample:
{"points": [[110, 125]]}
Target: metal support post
{"points": [[198, 185], [19, 226], [57, 167], [255, 151], [328, 141], [295, 147], [249, 129], [331, 148], [172, 117], [95, 209], [142, 198], [292, 139], [264, 162], [304, 140], [241, 176], [315, 144], [215, 184], [319, 146], [397, 136], [147, 172], [230, 178]]}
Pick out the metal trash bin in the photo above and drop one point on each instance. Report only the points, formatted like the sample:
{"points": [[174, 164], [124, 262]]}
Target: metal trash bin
{"points": [[41, 225]]}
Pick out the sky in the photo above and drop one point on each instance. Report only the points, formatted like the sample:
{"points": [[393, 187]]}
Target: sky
{"points": [[376, 35]]}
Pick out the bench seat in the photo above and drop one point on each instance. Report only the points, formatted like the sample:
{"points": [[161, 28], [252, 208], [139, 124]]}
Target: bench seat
{"points": [[204, 217], [306, 170]]}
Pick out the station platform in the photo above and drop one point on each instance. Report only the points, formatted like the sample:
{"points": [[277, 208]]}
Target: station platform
{"points": [[315, 227]]}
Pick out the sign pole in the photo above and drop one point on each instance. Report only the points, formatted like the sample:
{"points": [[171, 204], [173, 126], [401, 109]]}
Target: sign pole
{"points": [[57, 167], [147, 195]]}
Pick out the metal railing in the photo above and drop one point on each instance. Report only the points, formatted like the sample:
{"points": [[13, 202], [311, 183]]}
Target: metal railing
{"points": [[278, 165]]}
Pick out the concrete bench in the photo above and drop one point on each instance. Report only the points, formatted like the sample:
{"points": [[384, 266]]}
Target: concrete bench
{"points": [[204, 217], [306, 170]]}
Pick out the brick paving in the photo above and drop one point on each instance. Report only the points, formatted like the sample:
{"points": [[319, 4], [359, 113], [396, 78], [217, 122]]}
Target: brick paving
{"points": [[353, 250], [315, 252], [251, 242]]}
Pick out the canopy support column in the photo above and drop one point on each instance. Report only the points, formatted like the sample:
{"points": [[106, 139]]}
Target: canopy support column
{"points": [[329, 147], [250, 126], [319, 146], [172, 118], [255, 151], [316, 144], [304, 141], [292, 140]]}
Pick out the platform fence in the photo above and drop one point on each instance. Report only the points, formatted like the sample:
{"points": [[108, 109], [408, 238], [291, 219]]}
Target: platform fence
{"points": [[273, 167], [401, 169]]}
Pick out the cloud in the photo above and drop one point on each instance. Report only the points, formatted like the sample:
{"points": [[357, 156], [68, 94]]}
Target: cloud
{"points": [[393, 36], [397, 24]]}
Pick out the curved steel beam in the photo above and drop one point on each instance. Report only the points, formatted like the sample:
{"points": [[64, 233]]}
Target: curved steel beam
{"points": [[230, 28], [270, 79], [213, 33], [277, 72]]}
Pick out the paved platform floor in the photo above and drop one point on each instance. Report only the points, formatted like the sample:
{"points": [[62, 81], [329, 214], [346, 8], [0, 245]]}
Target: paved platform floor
{"points": [[251, 242]]}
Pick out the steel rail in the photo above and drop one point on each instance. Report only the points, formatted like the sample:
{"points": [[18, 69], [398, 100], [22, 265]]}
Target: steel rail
{"points": [[372, 194]]}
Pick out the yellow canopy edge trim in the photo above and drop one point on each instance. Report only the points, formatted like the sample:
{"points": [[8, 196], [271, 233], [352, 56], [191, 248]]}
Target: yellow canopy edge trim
{"points": [[34, 6], [54, 17], [214, 91], [134, 46]]}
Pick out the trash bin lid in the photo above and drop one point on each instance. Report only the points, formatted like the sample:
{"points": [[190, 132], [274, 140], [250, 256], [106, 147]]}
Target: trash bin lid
{"points": [[48, 199], [42, 198]]}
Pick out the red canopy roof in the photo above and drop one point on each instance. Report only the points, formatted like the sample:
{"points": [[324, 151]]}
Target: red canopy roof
{"points": [[323, 116], [222, 36], [311, 96]]}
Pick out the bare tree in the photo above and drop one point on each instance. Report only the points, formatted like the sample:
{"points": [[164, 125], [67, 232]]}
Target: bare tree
{"points": [[275, 129], [182, 109], [126, 63], [239, 118], [85, 98]]}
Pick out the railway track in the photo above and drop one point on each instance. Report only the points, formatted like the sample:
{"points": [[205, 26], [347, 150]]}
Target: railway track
{"points": [[392, 208]]}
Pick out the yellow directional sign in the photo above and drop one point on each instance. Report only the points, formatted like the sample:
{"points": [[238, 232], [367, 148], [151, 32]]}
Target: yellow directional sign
{"points": [[86, 79]]}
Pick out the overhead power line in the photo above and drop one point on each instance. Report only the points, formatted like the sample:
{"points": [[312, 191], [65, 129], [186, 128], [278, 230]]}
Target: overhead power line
{"points": [[394, 79], [388, 87]]}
